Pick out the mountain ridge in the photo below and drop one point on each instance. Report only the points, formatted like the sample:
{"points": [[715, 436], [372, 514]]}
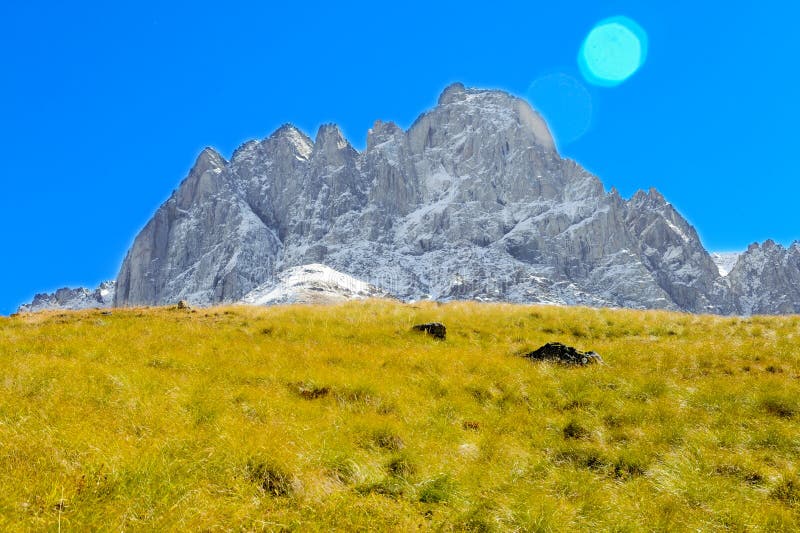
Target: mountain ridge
{"points": [[472, 201]]}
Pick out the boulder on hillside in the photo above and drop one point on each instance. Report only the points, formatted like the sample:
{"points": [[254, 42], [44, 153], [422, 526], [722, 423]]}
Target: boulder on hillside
{"points": [[561, 353], [436, 330]]}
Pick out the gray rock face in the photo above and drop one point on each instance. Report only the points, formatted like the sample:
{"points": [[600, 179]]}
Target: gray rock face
{"points": [[672, 251], [766, 279], [80, 298], [205, 244], [472, 202]]}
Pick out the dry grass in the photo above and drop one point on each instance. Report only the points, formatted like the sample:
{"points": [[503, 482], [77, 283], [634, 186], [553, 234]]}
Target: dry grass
{"points": [[319, 418]]}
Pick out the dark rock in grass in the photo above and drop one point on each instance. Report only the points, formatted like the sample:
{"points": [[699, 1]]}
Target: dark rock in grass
{"points": [[435, 329], [560, 353]]}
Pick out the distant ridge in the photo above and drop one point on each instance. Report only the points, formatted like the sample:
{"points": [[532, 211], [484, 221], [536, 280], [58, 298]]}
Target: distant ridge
{"points": [[66, 298]]}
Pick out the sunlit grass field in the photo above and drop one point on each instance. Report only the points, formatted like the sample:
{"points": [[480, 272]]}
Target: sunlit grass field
{"points": [[317, 418]]}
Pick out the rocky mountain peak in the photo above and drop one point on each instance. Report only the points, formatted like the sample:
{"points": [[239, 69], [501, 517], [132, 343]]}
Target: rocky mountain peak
{"points": [[246, 151], [769, 246], [467, 109], [382, 132], [331, 148], [203, 181], [766, 279], [298, 141], [453, 93], [472, 201], [330, 137], [286, 129], [209, 159], [651, 198]]}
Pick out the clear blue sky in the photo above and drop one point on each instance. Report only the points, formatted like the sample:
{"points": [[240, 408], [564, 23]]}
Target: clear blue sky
{"points": [[104, 106]]}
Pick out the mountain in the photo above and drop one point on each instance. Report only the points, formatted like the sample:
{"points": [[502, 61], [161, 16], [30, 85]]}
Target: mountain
{"points": [[80, 298], [766, 279], [473, 201]]}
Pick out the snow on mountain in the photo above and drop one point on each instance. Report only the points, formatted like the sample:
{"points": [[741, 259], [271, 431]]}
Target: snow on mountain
{"points": [[311, 284], [725, 261]]}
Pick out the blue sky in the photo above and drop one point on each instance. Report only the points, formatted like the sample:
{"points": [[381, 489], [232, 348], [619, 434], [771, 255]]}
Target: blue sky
{"points": [[104, 106]]}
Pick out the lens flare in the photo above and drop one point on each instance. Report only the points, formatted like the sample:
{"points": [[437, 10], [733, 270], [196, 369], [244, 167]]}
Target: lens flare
{"points": [[613, 51], [565, 104]]}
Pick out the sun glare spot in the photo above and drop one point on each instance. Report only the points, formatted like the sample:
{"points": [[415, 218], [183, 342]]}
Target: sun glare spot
{"points": [[565, 104], [613, 51]]}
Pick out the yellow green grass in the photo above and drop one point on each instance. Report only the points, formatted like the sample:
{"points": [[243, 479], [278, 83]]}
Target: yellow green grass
{"points": [[340, 418]]}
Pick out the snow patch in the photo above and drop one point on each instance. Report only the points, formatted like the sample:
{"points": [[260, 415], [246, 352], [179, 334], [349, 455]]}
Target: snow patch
{"points": [[677, 230], [725, 261], [300, 143], [312, 283]]}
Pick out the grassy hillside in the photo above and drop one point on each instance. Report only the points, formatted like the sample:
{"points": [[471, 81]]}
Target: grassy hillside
{"points": [[339, 417]]}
